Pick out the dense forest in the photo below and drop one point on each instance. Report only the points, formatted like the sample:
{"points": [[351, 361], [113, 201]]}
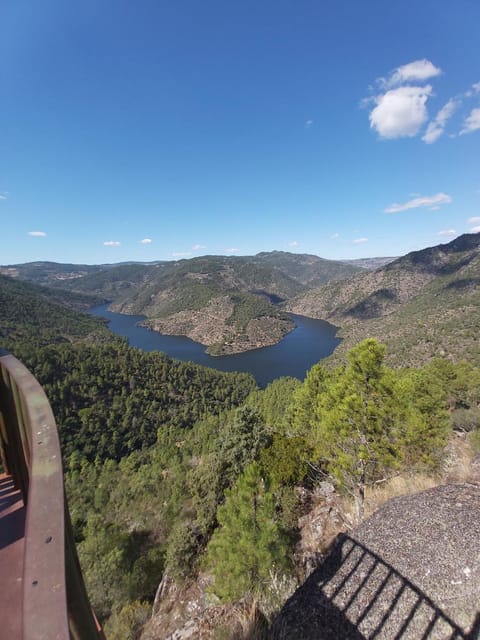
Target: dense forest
{"points": [[173, 470], [219, 492]]}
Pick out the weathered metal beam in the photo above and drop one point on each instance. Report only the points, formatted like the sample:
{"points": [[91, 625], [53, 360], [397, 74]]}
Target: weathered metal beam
{"points": [[55, 602]]}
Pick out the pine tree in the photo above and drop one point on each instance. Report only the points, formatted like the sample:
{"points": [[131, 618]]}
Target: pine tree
{"points": [[353, 420], [249, 544]]}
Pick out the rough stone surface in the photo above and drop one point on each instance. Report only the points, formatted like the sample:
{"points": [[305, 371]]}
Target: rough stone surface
{"points": [[412, 570], [322, 521]]}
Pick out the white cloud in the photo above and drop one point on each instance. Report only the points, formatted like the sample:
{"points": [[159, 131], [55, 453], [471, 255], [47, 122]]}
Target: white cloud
{"points": [[400, 112], [473, 90], [3, 196], [146, 241], [437, 126], [475, 229], [334, 236], [447, 232], [422, 201], [294, 243], [181, 254], [112, 243], [417, 71], [474, 220], [472, 122], [359, 240], [37, 234], [232, 250], [308, 124], [198, 247]]}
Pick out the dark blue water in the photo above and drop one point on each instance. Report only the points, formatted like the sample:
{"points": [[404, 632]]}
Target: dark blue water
{"points": [[303, 347]]}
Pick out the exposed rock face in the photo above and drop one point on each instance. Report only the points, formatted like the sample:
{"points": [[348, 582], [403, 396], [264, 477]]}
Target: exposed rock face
{"points": [[187, 613], [318, 527], [412, 571]]}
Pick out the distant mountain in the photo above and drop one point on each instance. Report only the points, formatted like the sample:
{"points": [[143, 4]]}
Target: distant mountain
{"points": [[47, 273], [308, 269], [228, 303], [423, 304], [370, 264]]}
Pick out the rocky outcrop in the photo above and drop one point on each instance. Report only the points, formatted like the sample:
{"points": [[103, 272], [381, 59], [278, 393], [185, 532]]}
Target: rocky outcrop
{"points": [[188, 613], [412, 570], [211, 326]]}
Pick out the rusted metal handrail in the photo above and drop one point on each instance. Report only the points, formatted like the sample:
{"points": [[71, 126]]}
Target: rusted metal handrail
{"points": [[55, 602]]}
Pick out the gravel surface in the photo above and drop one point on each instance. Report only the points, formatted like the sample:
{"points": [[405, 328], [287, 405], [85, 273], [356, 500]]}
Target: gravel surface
{"points": [[411, 571]]}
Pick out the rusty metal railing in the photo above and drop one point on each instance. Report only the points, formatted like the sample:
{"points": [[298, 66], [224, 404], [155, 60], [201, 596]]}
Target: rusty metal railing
{"points": [[55, 602]]}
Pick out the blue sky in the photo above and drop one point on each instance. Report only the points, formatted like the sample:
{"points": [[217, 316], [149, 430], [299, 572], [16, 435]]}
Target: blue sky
{"points": [[165, 128]]}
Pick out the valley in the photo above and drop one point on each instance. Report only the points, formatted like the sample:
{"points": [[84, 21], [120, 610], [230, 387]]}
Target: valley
{"points": [[421, 305], [163, 458]]}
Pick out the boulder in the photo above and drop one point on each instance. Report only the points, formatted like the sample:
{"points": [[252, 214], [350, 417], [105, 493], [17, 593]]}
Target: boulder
{"points": [[412, 570]]}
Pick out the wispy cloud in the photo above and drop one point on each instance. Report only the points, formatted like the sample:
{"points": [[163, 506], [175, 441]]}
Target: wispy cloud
{"points": [[112, 243], [198, 247], [232, 250], [359, 240], [37, 234], [308, 124], [181, 254], [437, 126], [416, 71], [472, 122], [475, 229], [294, 243], [474, 220], [334, 236], [475, 88], [3, 196], [447, 232], [146, 241], [422, 201]]}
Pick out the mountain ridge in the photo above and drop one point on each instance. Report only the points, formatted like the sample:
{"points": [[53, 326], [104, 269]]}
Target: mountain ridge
{"points": [[228, 303], [423, 304]]}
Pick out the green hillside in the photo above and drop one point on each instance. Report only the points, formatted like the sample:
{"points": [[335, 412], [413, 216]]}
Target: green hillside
{"points": [[306, 268], [424, 304], [32, 316], [229, 304]]}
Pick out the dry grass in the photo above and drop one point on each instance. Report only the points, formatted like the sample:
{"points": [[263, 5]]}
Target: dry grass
{"points": [[398, 486], [244, 621], [457, 468]]}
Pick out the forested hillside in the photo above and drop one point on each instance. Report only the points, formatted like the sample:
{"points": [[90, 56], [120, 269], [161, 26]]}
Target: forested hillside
{"points": [[198, 481], [229, 304], [422, 305], [219, 499], [33, 316], [110, 399]]}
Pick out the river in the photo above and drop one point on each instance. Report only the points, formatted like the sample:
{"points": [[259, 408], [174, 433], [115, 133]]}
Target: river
{"points": [[309, 342]]}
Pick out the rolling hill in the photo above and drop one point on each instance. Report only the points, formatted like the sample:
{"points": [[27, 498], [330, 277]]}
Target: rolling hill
{"points": [[32, 316], [424, 304], [230, 304]]}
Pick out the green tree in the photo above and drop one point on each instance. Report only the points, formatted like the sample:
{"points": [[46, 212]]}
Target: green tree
{"points": [[354, 420], [421, 396], [272, 403], [249, 544], [241, 441]]}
